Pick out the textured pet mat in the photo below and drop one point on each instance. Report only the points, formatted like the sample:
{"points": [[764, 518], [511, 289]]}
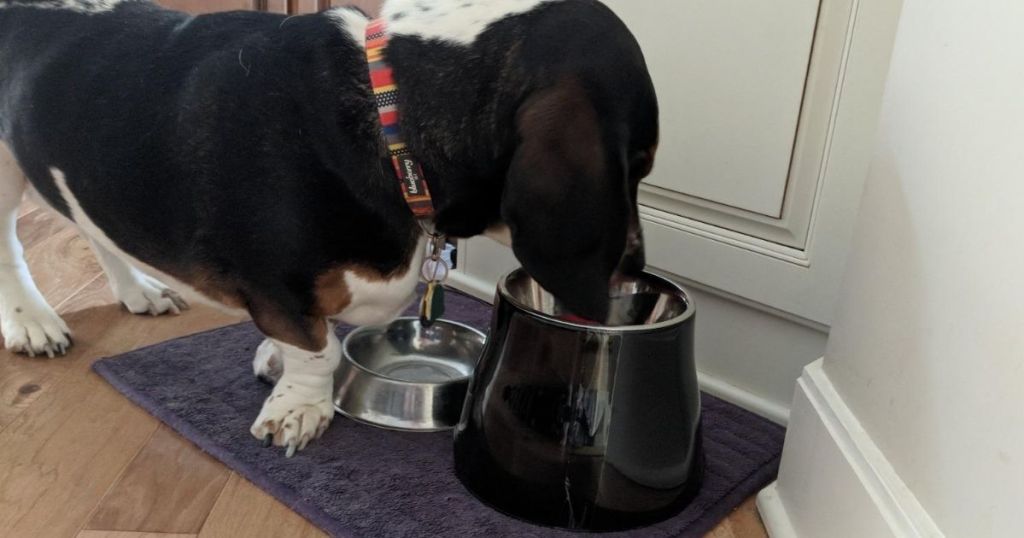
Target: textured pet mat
{"points": [[368, 482]]}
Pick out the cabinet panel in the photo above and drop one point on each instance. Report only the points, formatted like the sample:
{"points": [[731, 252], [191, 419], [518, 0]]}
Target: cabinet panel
{"points": [[730, 76]]}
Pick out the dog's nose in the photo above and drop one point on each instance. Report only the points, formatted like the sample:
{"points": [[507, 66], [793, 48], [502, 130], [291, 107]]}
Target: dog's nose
{"points": [[634, 259]]}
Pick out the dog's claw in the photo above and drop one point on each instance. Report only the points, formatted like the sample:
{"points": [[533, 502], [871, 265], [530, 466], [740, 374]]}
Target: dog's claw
{"points": [[289, 421], [179, 303], [268, 440]]}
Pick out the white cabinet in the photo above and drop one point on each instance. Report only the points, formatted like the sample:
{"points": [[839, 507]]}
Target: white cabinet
{"points": [[731, 76], [748, 99], [768, 117]]}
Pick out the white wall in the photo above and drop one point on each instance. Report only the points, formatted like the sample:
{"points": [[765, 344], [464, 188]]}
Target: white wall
{"points": [[928, 347]]}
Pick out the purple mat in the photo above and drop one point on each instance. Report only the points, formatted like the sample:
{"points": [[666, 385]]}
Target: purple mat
{"points": [[368, 482]]}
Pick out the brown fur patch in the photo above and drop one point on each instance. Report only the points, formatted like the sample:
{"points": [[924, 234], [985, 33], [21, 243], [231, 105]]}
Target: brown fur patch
{"points": [[332, 293], [308, 333], [216, 288]]}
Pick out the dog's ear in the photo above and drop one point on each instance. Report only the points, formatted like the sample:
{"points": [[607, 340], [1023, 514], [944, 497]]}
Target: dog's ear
{"points": [[566, 199]]}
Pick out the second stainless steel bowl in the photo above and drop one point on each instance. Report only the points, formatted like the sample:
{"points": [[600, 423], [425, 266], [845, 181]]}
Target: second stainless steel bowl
{"points": [[405, 376]]}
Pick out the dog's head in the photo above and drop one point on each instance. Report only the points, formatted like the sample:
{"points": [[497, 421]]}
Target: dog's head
{"points": [[587, 133]]}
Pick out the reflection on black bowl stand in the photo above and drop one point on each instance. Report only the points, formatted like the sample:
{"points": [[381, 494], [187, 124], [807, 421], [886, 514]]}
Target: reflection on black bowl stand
{"points": [[580, 426]]}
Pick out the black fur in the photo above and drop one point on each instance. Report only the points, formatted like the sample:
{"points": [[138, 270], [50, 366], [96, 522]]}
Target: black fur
{"points": [[245, 145]]}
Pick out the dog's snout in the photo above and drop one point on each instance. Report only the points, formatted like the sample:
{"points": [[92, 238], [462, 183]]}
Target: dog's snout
{"points": [[634, 259]]}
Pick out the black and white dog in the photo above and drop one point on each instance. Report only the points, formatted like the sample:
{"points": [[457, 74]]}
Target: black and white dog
{"points": [[237, 157]]}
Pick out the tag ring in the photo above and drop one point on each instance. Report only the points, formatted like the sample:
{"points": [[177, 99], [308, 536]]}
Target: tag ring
{"points": [[435, 270]]}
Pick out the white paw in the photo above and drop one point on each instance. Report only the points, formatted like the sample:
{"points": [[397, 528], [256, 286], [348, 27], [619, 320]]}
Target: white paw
{"points": [[147, 295], [267, 363], [294, 415], [34, 329]]}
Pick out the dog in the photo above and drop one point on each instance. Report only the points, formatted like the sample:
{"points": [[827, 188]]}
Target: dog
{"points": [[238, 159]]}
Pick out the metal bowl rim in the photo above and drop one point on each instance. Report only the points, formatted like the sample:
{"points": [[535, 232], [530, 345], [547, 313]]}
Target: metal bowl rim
{"points": [[390, 427], [691, 308], [401, 382]]}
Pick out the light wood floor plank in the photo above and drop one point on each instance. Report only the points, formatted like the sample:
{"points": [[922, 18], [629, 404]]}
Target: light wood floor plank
{"points": [[70, 445], [60, 456], [27, 206], [743, 522], [61, 264], [22, 381], [170, 487], [92, 294], [37, 224], [245, 510], [122, 534]]}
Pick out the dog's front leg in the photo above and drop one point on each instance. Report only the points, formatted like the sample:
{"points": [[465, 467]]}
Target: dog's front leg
{"points": [[301, 406]]}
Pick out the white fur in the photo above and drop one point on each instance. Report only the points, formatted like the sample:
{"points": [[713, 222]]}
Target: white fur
{"points": [[376, 302], [138, 292], [27, 322], [457, 21], [301, 406], [351, 21], [127, 274], [80, 6], [267, 362]]}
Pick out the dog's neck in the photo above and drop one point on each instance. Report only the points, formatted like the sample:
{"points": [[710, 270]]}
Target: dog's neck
{"points": [[458, 98]]}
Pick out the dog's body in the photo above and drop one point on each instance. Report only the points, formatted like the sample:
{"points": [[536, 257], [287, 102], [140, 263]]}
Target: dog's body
{"points": [[238, 157]]}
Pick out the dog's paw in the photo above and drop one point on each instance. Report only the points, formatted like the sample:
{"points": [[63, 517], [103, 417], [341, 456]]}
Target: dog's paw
{"points": [[267, 364], [34, 329], [147, 295], [293, 416]]}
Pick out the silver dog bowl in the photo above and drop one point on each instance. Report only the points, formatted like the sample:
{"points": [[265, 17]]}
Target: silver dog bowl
{"points": [[404, 376]]}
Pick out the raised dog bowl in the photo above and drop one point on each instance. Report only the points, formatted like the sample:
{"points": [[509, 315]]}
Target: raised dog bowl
{"points": [[405, 376], [581, 426]]}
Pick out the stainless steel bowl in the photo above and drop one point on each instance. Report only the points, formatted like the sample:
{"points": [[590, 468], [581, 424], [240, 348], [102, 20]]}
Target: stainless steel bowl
{"points": [[405, 376]]}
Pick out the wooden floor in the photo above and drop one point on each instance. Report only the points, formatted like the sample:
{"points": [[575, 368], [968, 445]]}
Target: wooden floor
{"points": [[79, 460]]}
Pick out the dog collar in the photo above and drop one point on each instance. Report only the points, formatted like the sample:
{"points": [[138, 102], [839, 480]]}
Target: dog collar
{"points": [[385, 91]]}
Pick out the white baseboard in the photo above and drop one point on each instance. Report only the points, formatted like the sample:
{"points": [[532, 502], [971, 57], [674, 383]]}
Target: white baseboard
{"points": [[743, 398], [834, 481], [477, 287], [773, 513]]}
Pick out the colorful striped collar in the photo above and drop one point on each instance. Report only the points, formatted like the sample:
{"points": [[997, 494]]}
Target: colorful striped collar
{"points": [[407, 167]]}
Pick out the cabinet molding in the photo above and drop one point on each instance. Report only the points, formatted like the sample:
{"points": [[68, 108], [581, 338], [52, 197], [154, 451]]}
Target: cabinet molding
{"points": [[815, 130], [803, 280]]}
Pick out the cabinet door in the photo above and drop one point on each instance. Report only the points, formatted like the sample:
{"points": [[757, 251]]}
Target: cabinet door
{"points": [[745, 88], [730, 74]]}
